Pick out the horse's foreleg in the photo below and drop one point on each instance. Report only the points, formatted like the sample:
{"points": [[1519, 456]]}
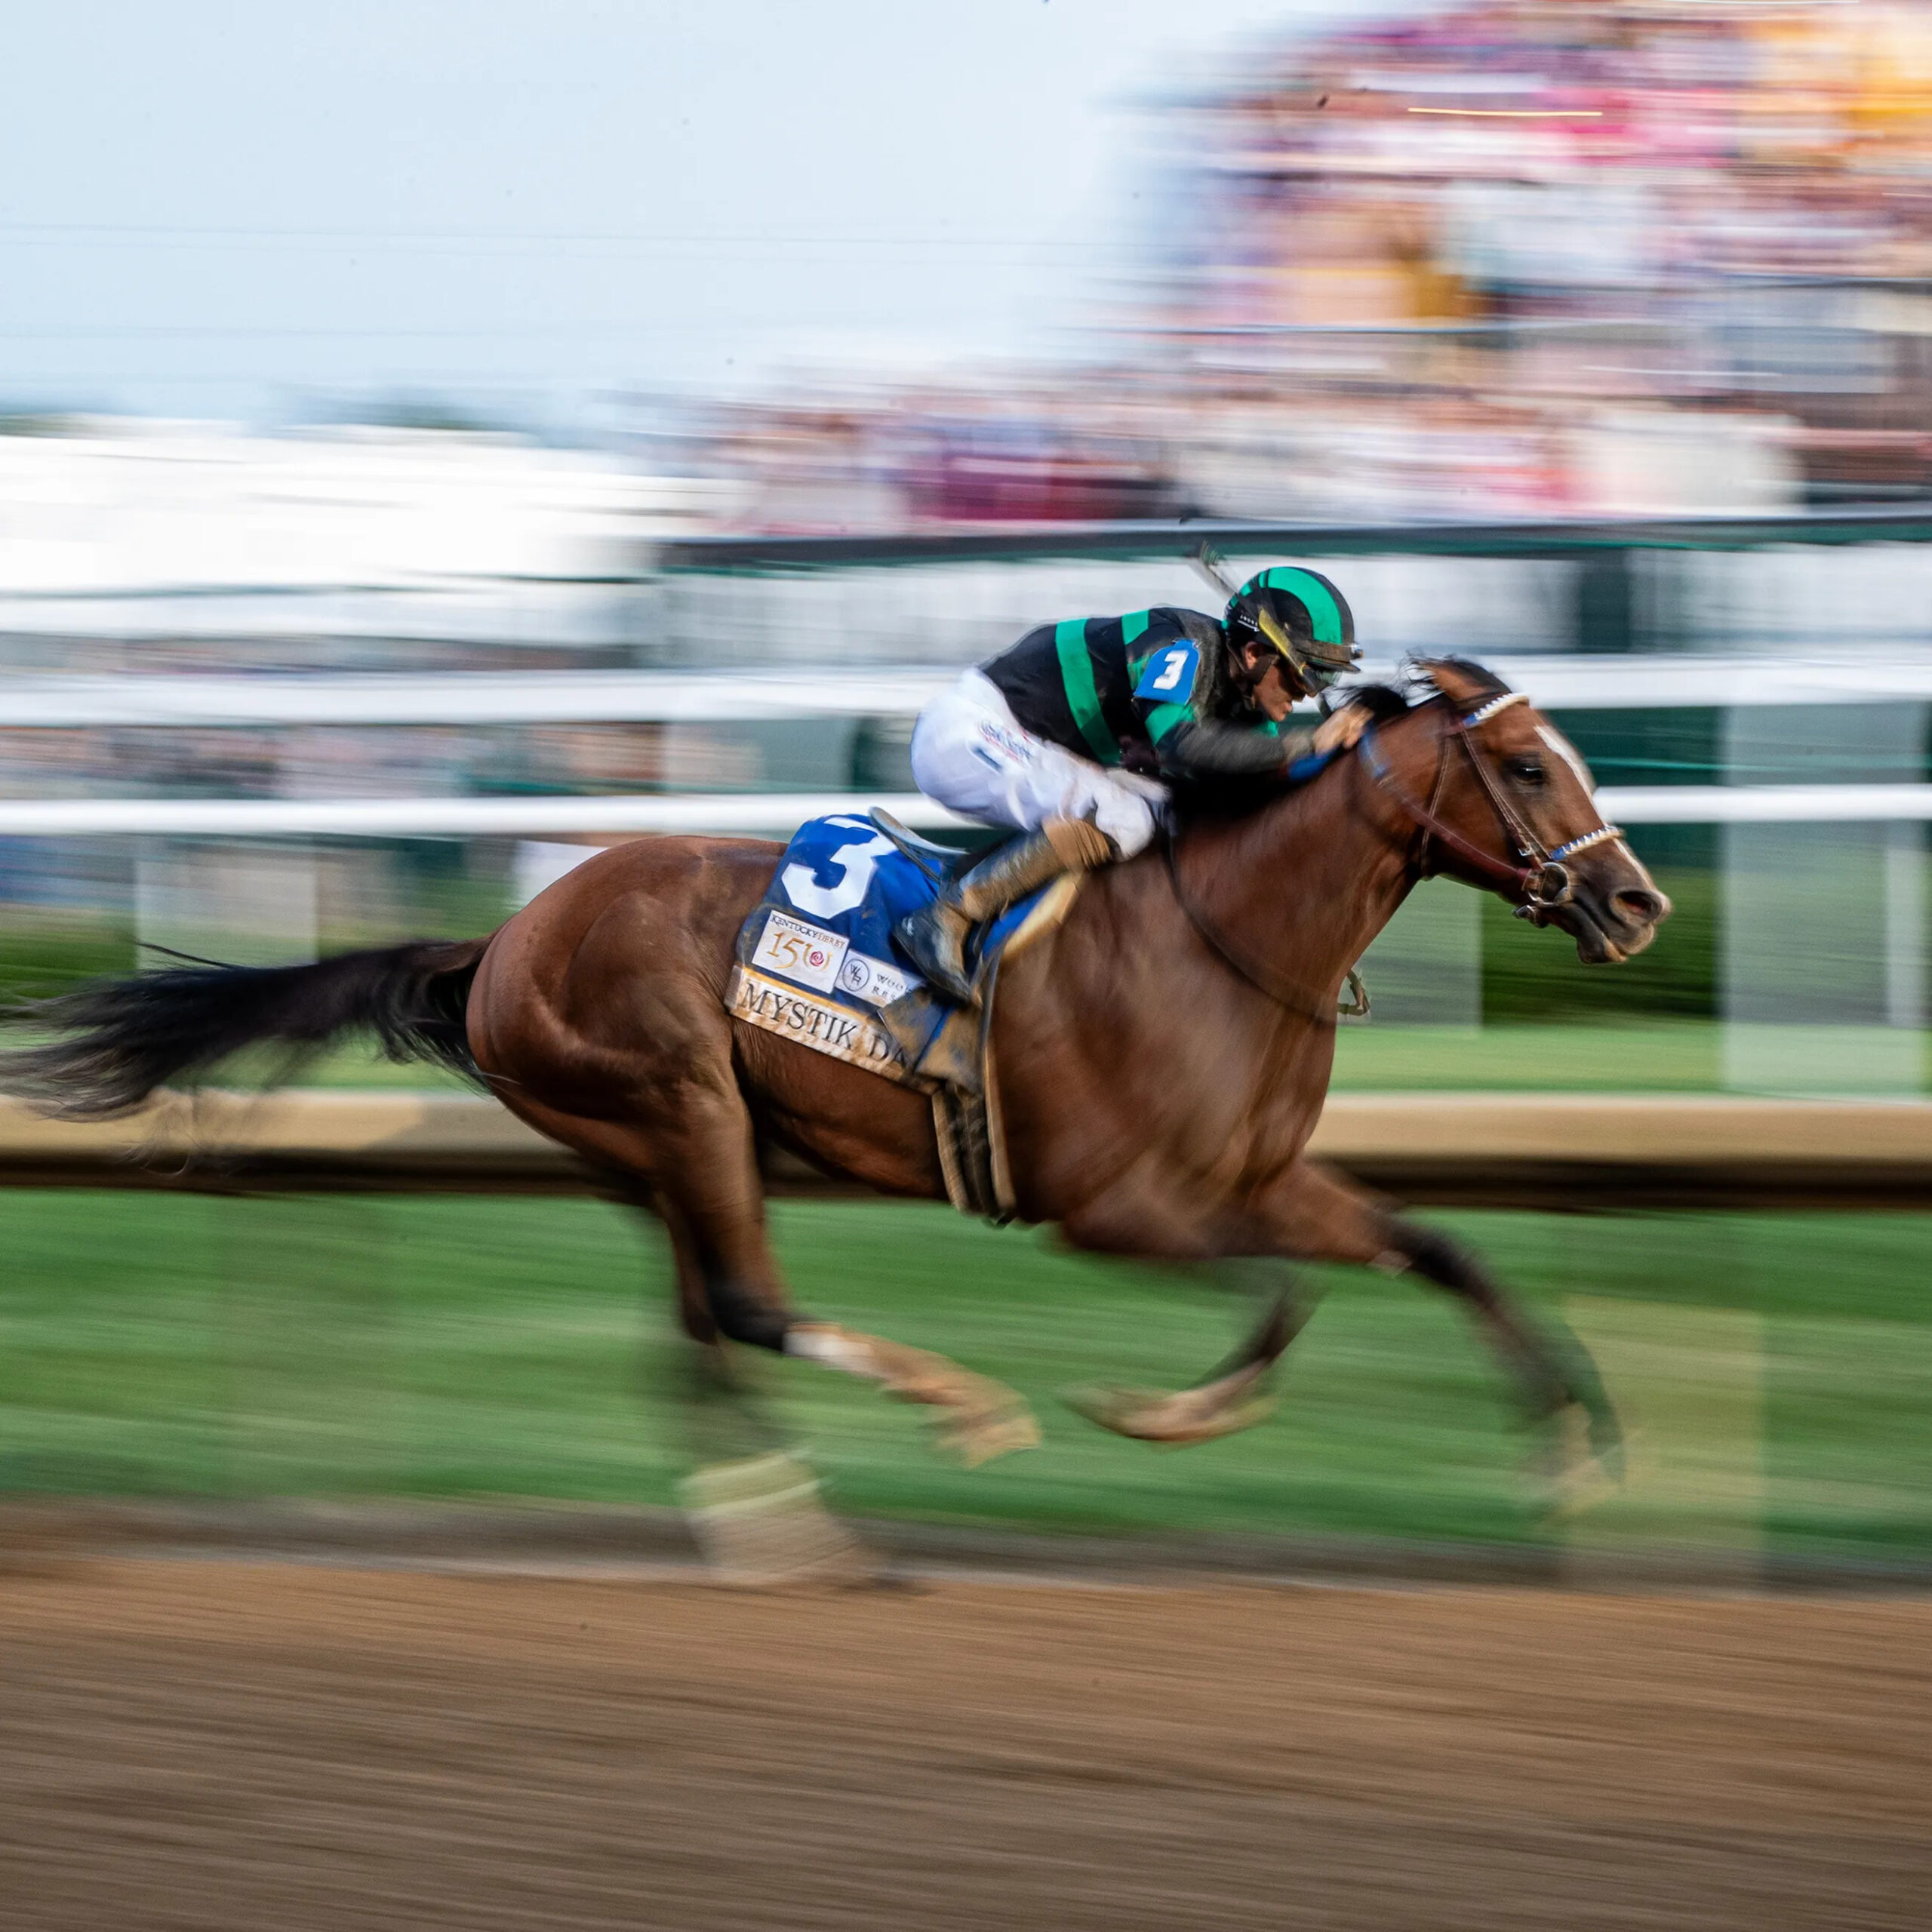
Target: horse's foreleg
{"points": [[1142, 1221], [1324, 1218], [1553, 1371]]}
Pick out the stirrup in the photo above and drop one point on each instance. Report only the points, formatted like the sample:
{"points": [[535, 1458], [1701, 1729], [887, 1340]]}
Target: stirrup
{"points": [[926, 937]]}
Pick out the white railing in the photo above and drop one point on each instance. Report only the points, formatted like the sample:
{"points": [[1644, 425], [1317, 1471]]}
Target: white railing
{"points": [[512, 698], [538, 816], [529, 816], [1561, 683]]}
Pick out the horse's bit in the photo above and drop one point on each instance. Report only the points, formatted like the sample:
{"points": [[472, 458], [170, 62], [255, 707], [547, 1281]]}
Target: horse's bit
{"points": [[1543, 884]]}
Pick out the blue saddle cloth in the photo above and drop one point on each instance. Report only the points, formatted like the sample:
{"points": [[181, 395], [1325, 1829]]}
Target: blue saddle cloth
{"points": [[817, 962]]}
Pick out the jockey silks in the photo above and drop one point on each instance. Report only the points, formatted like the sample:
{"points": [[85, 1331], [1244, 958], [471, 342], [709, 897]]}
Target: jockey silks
{"points": [[1151, 691]]}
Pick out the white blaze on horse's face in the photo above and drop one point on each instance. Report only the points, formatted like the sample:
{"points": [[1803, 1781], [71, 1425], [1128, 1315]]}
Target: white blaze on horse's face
{"points": [[1614, 907], [1569, 754], [1574, 758]]}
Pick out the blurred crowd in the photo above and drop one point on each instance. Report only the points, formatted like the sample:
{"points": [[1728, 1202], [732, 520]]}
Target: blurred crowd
{"points": [[1520, 257], [1517, 258]]}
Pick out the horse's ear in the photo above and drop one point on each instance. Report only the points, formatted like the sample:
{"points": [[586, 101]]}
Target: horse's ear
{"points": [[1461, 682]]}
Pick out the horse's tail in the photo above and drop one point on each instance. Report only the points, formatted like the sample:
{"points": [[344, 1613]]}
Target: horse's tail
{"points": [[112, 1043]]}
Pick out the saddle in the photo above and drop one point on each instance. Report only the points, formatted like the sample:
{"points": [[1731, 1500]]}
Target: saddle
{"points": [[816, 964]]}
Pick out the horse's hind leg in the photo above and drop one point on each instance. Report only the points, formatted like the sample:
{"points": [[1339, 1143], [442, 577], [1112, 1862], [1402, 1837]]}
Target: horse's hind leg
{"points": [[979, 1418], [726, 1416], [751, 1498], [699, 1170]]}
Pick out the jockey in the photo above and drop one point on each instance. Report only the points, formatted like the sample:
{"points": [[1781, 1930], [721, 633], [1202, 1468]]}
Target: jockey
{"points": [[1070, 735]]}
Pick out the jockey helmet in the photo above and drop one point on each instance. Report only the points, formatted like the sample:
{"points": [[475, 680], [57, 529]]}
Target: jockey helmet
{"points": [[1303, 616]]}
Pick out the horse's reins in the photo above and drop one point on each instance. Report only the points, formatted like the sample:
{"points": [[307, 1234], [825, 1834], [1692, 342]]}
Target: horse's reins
{"points": [[1263, 978], [1539, 886]]}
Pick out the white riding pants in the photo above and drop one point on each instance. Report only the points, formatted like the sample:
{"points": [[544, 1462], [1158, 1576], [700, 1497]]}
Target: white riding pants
{"points": [[970, 754]]}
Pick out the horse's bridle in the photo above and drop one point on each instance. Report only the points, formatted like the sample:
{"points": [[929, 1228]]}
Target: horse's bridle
{"points": [[1540, 884], [1540, 887]]}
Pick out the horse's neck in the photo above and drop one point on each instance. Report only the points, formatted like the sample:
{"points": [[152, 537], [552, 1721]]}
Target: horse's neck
{"points": [[1308, 881]]}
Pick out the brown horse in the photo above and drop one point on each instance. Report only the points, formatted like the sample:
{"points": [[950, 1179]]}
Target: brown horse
{"points": [[1162, 1057]]}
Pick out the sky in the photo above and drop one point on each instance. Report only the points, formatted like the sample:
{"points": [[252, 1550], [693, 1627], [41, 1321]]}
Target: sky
{"points": [[250, 212]]}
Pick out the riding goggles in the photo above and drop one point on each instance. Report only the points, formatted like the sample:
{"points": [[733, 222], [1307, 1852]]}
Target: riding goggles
{"points": [[1314, 674]]}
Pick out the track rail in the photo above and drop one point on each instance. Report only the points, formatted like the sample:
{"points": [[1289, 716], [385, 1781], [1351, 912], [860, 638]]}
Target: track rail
{"points": [[1541, 536], [1504, 1150]]}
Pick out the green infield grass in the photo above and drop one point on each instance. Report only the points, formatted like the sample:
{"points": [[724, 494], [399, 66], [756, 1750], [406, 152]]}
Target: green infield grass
{"points": [[1662, 1056], [1779, 1366]]}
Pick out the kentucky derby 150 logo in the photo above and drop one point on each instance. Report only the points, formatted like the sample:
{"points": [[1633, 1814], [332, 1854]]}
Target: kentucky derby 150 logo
{"points": [[794, 950]]}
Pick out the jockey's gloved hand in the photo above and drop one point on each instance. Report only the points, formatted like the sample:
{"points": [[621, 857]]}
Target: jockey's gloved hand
{"points": [[1341, 730]]}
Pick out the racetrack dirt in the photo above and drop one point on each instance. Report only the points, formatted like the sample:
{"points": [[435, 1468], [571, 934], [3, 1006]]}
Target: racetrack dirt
{"points": [[220, 1744]]}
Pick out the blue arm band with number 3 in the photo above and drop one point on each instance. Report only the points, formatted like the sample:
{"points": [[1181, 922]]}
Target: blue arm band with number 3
{"points": [[1169, 675]]}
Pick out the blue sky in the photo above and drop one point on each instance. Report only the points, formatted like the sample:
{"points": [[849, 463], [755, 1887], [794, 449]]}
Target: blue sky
{"points": [[228, 209]]}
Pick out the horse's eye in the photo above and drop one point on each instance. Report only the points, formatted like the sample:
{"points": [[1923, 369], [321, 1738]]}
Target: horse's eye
{"points": [[1525, 770]]}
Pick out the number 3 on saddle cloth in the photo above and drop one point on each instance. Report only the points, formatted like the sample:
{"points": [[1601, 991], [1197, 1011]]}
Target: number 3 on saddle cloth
{"points": [[816, 962]]}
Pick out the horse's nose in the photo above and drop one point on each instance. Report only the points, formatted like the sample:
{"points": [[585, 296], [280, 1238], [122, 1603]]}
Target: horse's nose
{"points": [[1641, 905]]}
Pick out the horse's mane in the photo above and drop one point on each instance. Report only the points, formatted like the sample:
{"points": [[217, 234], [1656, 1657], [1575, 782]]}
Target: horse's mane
{"points": [[1382, 702], [1418, 687]]}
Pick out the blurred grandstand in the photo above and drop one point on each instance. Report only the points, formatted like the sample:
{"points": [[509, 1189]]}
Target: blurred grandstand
{"points": [[1520, 258]]}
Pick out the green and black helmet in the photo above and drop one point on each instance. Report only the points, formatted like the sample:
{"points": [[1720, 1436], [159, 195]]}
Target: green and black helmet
{"points": [[1303, 616]]}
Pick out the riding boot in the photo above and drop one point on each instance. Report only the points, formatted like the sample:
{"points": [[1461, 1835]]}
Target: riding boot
{"points": [[934, 937]]}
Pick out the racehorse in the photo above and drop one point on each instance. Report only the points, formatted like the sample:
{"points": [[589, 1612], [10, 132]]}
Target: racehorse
{"points": [[1162, 1056]]}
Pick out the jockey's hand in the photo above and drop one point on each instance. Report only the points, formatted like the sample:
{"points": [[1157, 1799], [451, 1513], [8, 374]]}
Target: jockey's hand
{"points": [[1339, 730]]}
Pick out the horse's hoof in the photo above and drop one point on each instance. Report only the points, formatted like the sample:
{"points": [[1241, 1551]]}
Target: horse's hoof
{"points": [[1579, 1466], [978, 1439], [759, 1524], [1155, 1415]]}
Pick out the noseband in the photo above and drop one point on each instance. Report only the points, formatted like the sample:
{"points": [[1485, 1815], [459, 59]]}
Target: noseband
{"points": [[1539, 883]]}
